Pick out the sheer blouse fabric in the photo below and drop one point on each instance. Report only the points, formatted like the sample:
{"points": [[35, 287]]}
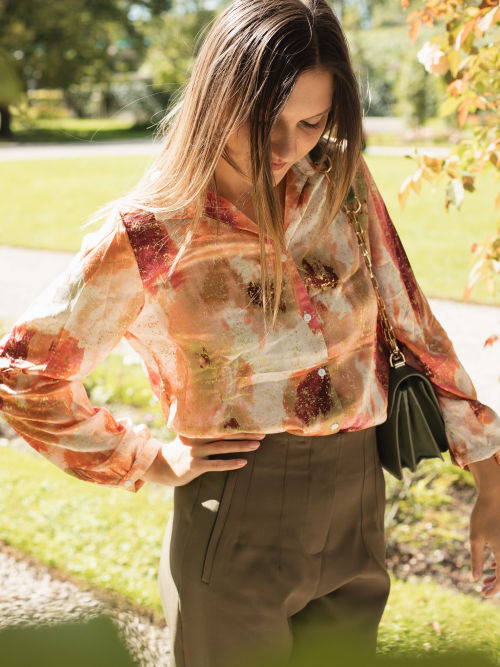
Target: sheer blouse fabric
{"points": [[201, 337]]}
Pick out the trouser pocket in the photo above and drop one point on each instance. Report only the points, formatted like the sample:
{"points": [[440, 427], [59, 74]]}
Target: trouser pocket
{"points": [[215, 501]]}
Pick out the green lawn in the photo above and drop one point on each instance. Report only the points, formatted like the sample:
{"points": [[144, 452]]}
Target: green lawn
{"points": [[46, 201], [111, 538], [66, 130]]}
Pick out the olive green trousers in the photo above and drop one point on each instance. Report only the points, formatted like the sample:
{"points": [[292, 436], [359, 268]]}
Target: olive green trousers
{"points": [[252, 559]]}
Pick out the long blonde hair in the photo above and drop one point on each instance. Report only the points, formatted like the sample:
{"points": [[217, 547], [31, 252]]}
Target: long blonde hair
{"points": [[244, 72]]}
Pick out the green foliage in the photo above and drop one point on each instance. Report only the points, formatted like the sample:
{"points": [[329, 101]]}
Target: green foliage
{"points": [[378, 68], [417, 92], [463, 50], [62, 42], [174, 38], [422, 511], [58, 43], [10, 88]]}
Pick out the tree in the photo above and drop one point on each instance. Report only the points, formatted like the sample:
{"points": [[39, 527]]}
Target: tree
{"points": [[466, 55], [173, 40], [56, 43]]}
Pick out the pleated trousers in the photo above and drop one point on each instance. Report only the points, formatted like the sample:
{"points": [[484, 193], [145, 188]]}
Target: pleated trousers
{"points": [[253, 560]]}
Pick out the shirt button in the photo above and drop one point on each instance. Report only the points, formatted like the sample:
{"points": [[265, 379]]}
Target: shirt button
{"points": [[127, 483], [321, 372], [307, 317], [284, 257], [334, 427]]}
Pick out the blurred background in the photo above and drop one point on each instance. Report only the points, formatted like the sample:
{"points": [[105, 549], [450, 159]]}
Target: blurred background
{"points": [[119, 61], [83, 85]]}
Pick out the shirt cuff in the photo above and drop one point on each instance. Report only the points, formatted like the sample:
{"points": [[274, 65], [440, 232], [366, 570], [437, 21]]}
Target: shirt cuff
{"points": [[145, 454]]}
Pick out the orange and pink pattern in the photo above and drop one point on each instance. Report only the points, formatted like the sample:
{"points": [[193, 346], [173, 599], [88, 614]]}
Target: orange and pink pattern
{"points": [[201, 336]]}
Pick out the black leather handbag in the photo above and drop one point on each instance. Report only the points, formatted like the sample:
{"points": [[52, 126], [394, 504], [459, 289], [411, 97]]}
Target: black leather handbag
{"points": [[414, 429]]}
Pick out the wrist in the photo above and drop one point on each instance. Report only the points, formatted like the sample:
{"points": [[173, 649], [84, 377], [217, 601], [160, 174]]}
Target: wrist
{"points": [[160, 472]]}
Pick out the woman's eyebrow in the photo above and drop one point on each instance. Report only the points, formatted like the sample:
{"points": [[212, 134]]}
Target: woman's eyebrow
{"points": [[319, 114]]}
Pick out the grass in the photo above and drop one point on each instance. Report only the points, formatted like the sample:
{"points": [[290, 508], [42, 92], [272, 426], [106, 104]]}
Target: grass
{"points": [[111, 538], [423, 618], [66, 130], [62, 193], [46, 201], [437, 242]]}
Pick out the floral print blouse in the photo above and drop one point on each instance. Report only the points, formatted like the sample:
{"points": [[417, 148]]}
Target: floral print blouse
{"points": [[201, 336]]}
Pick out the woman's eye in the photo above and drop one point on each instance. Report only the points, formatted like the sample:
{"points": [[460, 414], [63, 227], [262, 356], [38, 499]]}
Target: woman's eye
{"points": [[313, 126]]}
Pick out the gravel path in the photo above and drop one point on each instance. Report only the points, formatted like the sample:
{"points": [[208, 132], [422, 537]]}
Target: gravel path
{"points": [[31, 594]]}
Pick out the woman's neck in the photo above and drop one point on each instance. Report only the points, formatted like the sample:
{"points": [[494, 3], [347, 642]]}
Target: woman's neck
{"points": [[237, 189]]}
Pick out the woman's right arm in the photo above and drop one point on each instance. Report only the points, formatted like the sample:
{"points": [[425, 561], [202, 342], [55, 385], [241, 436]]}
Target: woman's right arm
{"points": [[65, 333], [62, 337]]}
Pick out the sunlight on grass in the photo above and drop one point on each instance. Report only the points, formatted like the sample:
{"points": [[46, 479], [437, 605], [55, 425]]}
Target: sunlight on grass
{"points": [[108, 537]]}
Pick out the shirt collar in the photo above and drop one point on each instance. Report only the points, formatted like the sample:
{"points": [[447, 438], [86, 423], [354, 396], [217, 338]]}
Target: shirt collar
{"points": [[296, 177]]}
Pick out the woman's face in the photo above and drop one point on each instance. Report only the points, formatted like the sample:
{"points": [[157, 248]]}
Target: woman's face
{"points": [[297, 129]]}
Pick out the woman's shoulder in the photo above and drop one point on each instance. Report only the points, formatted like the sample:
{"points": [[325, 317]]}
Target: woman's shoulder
{"points": [[153, 234]]}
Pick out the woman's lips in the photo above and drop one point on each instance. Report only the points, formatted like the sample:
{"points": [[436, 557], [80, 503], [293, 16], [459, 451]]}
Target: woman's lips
{"points": [[277, 165]]}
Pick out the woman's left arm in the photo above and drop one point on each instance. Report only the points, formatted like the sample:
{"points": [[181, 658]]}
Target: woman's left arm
{"points": [[472, 428], [485, 522]]}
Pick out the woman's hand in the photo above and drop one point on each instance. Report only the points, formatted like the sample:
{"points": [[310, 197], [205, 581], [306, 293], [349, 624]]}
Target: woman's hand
{"points": [[485, 523], [179, 461]]}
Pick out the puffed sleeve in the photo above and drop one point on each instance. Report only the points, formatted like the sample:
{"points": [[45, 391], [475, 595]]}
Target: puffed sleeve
{"points": [[59, 340], [473, 429]]}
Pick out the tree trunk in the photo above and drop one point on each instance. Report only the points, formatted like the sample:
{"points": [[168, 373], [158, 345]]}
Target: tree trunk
{"points": [[5, 129]]}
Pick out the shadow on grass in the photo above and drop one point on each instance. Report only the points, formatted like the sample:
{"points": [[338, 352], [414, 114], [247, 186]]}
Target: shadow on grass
{"points": [[80, 134]]}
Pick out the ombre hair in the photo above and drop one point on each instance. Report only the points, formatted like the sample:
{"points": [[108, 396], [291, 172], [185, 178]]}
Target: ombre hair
{"points": [[244, 72]]}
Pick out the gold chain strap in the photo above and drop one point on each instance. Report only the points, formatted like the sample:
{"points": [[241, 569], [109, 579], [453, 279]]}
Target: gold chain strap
{"points": [[396, 357]]}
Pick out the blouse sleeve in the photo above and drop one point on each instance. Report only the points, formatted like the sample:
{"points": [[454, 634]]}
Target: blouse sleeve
{"points": [[473, 429], [59, 340]]}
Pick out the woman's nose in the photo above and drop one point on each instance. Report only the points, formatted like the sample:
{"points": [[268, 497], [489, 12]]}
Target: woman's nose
{"points": [[283, 146]]}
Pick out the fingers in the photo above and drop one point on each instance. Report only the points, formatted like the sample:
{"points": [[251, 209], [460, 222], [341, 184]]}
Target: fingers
{"points": [[491, 586], [229, 447]]}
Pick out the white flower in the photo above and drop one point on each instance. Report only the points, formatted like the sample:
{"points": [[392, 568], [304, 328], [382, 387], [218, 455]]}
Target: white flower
{"points": [[433, 59]]}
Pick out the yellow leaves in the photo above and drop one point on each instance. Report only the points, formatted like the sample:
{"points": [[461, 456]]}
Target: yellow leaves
{"points": [[463, 112], [487, 267], [463, 33], [455, 60], [413, 182], [429, 167], [433, 163], [485, 22], [413, 31], [449, 106]]}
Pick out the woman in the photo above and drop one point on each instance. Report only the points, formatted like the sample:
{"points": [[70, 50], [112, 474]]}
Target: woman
{"points": [[234, 273]]}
